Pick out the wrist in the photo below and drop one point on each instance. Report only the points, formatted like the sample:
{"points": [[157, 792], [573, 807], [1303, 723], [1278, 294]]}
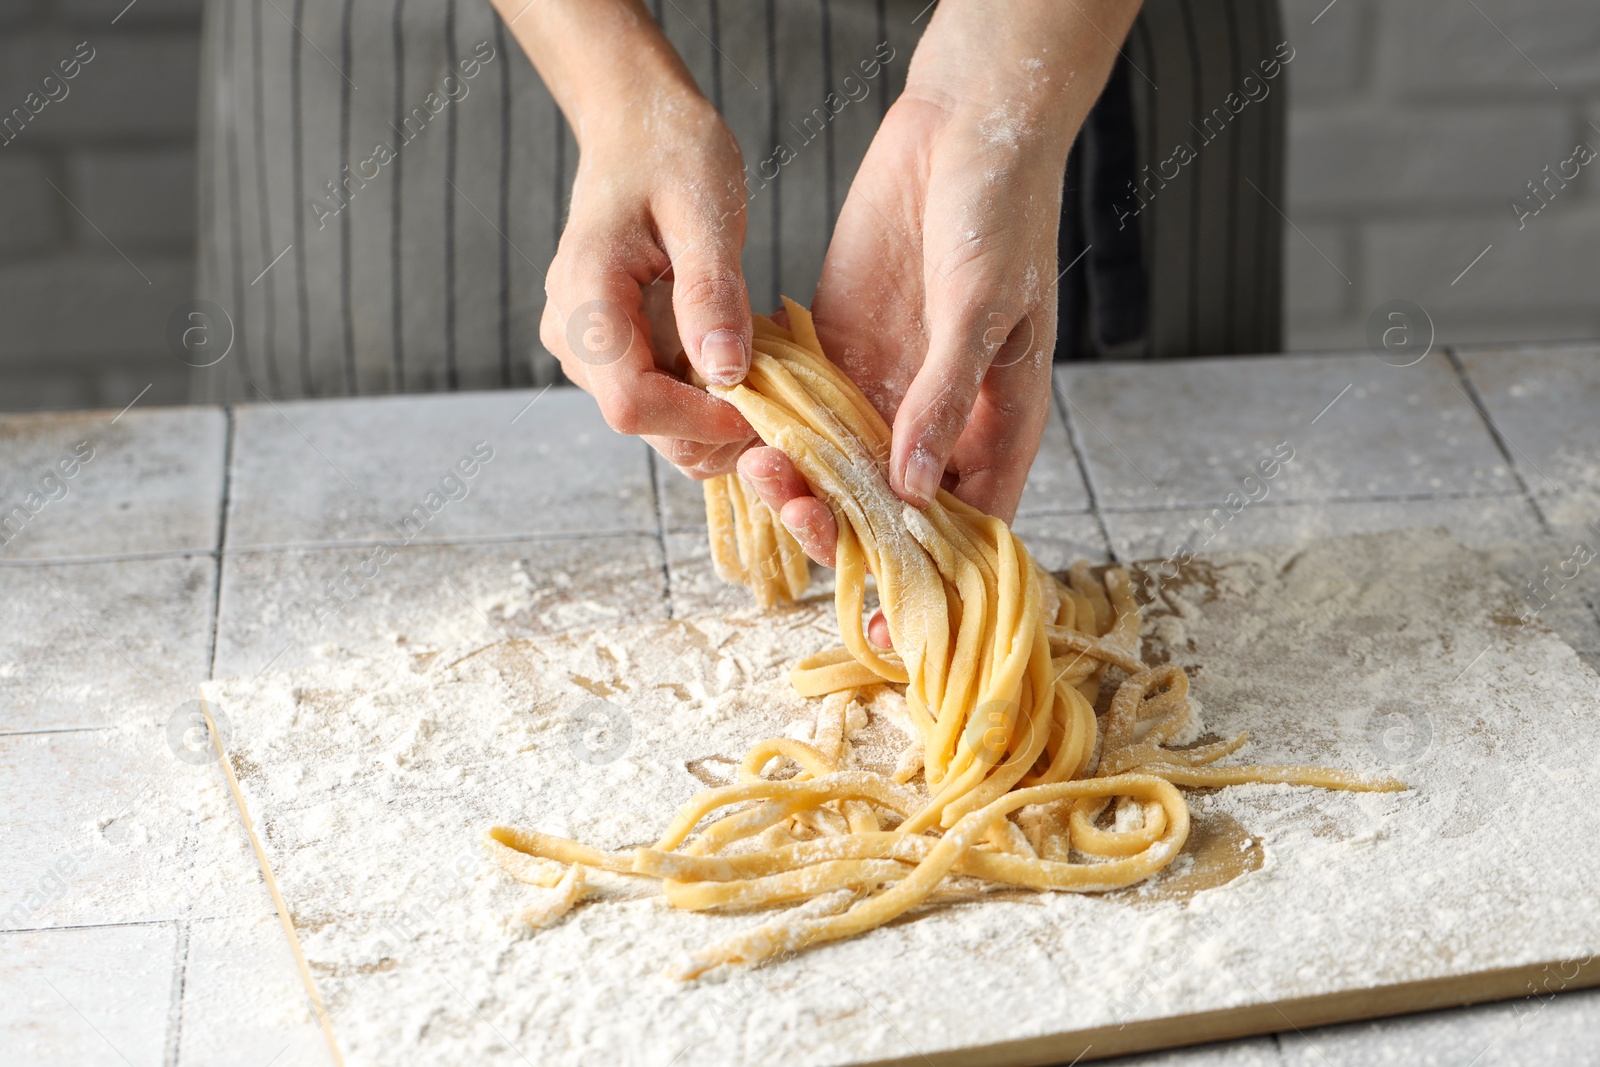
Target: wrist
{"points": [[606, 62], [643, 116], [1025, 71]]}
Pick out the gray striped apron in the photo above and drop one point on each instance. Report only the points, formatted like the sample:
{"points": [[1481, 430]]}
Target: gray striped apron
{"points": [[383, 182]]}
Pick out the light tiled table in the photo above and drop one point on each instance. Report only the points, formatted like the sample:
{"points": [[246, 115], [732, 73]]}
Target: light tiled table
{"points": [[202, 542]]}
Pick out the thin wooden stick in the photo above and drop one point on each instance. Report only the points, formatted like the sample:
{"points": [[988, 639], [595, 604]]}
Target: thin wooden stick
{"points": [[272, 886]]}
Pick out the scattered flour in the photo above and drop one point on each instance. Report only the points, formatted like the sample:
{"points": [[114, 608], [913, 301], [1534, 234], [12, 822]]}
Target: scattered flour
{"points": [[371, 780]]}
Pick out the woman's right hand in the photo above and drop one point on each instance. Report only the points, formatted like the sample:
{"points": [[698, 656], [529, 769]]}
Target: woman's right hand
{"points": [[659, 199]]}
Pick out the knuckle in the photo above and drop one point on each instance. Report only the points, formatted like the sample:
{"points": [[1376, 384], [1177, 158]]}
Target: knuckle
{"points": [[623, 413], [947, 412], [550, 332], [710, 288], [687, 453]]}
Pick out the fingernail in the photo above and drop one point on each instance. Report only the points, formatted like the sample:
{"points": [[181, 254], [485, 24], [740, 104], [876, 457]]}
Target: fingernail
{"points": [[723, 357], [922, 474]]}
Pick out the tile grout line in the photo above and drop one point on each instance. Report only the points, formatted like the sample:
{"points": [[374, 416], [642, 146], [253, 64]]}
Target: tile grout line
{"points": [[1094, 510], [1158, 509], [111, 557], [55, 730], [180, 979], [1310, 502], [1478, 404], [320, 546], [1481, 406], [661, 530], [1058, 397], [285, 919], [83, 926], [442, 542], [220, 553]]}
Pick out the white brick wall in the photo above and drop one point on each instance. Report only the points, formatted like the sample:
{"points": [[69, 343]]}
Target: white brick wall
{"points": [[79, 324], [1412, 125]]}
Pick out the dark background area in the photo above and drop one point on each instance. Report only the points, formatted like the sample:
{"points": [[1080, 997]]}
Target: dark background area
{"points": [[1412, 127]]}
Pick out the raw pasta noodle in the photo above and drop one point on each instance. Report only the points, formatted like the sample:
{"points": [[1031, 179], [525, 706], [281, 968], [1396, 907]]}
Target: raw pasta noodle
{"points": [[750, 546], [1001, 665]]}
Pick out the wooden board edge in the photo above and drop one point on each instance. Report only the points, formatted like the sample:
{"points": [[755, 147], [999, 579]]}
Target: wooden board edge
{"points": [[1352, 1005]]}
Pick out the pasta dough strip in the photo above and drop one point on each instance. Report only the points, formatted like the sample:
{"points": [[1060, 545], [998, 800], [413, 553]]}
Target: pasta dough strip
{"points": [[1001, 666]]}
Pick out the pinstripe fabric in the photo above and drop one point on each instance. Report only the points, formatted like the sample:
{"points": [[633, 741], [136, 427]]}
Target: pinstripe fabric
{"points": [[1211, 235], [345, 273]]}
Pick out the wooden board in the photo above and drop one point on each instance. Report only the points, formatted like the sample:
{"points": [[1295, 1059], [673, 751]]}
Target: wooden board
{"points": [[371, 778]]}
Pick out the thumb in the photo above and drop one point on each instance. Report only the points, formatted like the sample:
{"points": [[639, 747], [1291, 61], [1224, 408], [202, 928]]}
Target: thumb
{"points": [[712, 306], [938, 405]]}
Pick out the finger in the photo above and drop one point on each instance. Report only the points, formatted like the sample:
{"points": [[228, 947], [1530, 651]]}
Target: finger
{"points": [[878, 631], [656, 299], [722, 461], [938, 405], [709, 298], [694, 459], [773, 476], [779, 485], [594, 324], [813, 526], [995, 451], [680, 453]]}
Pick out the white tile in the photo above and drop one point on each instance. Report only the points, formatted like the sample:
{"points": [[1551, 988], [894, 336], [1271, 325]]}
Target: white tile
{"points": [[1543, 400], [696, 589], [115, 826], [1484, 523], [1188, 433], [683, 502], [277, 608], [1504, 528], [1055, 482], [90, 644], [152, 483], [1558, 1026], [243, 1001], [1554, 583], [89, 997], [318, 471], [1057, 541], [1247, 1052]]}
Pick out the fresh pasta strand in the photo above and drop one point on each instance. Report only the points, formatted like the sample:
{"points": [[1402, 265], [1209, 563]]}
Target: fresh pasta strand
{"points": [[1001, 665], [750, 547]]}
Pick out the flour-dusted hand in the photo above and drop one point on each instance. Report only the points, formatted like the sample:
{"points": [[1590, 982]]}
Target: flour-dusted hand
{"points": [[938, 292], [658, 198]]}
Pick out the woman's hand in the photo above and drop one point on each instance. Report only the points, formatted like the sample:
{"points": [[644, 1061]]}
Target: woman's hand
{"points": [[938, 292], [658, 200]]}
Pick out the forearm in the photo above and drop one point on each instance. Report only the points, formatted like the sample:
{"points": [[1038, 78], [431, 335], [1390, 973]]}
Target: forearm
{"points": [[604, 61], [1028, 70], [658, 192]]}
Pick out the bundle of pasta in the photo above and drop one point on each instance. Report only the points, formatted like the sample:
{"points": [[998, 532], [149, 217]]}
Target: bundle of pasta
{"points": [[1001, 665]]}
